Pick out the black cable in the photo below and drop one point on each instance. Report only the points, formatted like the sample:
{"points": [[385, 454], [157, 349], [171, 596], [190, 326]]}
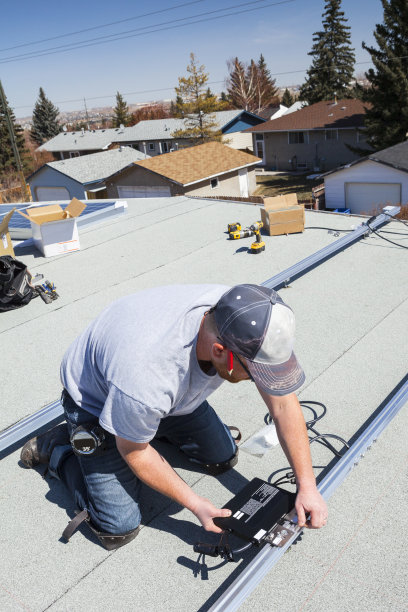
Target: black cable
{"points": [[402, 246]]}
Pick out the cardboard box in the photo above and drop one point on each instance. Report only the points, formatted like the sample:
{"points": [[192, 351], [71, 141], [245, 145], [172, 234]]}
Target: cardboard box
{"points": [[55, 230], [283, 215], [6, 246]]}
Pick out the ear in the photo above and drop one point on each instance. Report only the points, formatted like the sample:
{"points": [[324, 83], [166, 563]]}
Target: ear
{"points": [[218, 350]]}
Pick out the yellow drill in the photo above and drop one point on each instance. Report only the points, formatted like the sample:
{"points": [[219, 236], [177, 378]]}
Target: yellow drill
{"points": [[259, 245]]}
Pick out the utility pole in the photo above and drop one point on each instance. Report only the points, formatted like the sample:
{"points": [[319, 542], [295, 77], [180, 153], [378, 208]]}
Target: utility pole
{"points": [[86, 114], [17, 158]]}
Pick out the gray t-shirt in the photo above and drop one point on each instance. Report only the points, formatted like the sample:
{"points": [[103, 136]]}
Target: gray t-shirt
{"points": [[136, 363]]}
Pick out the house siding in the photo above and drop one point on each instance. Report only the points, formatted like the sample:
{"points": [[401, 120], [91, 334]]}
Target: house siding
{"points": [[366, 172], [317, 154], [138, 144], [48, 177], [228, 184], [139, 177], [239, 140]]}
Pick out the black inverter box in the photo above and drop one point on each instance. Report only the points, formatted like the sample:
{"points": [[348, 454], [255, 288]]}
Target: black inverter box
{"points": [[255, 510]]}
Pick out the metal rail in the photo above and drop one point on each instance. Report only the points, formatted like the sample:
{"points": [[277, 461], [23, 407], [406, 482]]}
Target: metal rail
{"points": [[25, 428], [283, 278], [252, 575], [29, 426]]}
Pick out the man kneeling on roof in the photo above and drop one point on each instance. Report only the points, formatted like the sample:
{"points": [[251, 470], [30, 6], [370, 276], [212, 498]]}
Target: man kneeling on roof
{"points": [[143, 370]]}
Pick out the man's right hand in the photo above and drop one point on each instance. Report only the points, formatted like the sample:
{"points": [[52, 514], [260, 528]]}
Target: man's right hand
{"points": [[205, 511]]}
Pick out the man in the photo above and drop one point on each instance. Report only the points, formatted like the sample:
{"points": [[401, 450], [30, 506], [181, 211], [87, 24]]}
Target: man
{"points": [[143, 369]]}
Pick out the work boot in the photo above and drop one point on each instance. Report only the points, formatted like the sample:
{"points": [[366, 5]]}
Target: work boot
{"points": [[38, 450]]}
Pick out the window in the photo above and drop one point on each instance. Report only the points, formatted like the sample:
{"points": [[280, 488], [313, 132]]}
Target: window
{"points": [[332, 134], [214, 183], [152, 146], [74, 154], [259, 136], [298, 137]]}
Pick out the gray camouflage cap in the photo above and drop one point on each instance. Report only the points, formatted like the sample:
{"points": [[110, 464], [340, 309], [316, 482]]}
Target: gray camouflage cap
{"points": [[254, 322]]}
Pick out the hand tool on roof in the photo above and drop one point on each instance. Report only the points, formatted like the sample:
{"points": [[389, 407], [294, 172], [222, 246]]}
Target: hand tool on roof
{"points": [[234, 227], [236, 235], [43, 294], [259, 245], [50, 289]]}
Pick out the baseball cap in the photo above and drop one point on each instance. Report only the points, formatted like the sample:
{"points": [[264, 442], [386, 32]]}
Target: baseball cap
{"points": [[254, 322]]}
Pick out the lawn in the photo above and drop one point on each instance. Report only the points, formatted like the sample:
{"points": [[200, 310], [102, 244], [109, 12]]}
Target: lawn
{"points": [[282, 184]]}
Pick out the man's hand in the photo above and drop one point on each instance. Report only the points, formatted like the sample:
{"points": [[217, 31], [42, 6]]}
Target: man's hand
{"points": [[205, 511], [312, 503]]}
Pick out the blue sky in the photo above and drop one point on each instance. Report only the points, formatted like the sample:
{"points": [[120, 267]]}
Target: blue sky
{"points": [[282, 32]]}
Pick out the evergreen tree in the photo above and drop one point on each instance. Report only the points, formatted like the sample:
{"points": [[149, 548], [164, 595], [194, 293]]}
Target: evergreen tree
{"points": [[386, 118], [45, 124], [198, 106], [266, 89], [333, 58], [7, 160], [121, 115], [287, 98]]}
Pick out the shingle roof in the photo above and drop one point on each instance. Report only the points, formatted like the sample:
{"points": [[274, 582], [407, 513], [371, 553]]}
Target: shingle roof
{"points": [[97, 166], [197, 163], [153, 129], [162, 129], [81, 141], [345, 113], [395, 157]]}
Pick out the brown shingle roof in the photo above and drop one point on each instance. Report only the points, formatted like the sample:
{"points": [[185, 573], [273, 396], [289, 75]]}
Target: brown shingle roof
{"points": [[346, 113], [196, 163]]}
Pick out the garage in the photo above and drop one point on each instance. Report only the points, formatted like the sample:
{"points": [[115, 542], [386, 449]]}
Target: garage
{"points": [[130, 191], [46, 194], [369, 183], [367, 198]]}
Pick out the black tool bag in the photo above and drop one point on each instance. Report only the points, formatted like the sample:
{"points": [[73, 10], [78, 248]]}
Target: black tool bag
{"points": [[15, 290]]}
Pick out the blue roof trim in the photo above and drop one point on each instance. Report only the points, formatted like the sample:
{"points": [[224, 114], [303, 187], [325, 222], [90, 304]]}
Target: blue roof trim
{"points": [[225, 128]]}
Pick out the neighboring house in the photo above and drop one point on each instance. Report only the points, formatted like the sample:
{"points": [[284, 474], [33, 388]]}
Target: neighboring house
{"points": [[210, 169], [66, 145], [82, 177], [313, 138], [152, 137], [368, 184]]}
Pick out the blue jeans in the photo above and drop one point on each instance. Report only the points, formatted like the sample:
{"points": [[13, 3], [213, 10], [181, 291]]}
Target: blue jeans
{"points": [[106, 486]]}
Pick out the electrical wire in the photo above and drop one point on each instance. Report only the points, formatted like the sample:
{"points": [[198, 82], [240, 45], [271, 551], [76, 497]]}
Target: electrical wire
{"points": [[402, 246], [119, 36], [103, 25]]}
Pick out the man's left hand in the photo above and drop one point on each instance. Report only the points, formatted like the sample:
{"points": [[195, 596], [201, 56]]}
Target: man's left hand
{"points": [[312, 503]]}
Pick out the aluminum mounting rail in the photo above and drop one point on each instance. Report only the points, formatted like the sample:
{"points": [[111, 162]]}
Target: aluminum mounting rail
{"points": [[27, 427], [283, 278], [11, 436], [269, 555]]}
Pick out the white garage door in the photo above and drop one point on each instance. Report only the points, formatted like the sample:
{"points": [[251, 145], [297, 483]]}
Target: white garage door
{"points": [[367, 198], [143, 192], [52, 193]]}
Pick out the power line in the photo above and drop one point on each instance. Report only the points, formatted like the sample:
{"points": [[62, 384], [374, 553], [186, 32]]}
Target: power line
{"points": [[103, 25], [154, 28], [144, 91], [120, 35]]}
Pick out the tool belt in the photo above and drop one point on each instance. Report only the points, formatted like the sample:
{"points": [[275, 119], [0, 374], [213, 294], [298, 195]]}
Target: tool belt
{"points": [[15, 288]]}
